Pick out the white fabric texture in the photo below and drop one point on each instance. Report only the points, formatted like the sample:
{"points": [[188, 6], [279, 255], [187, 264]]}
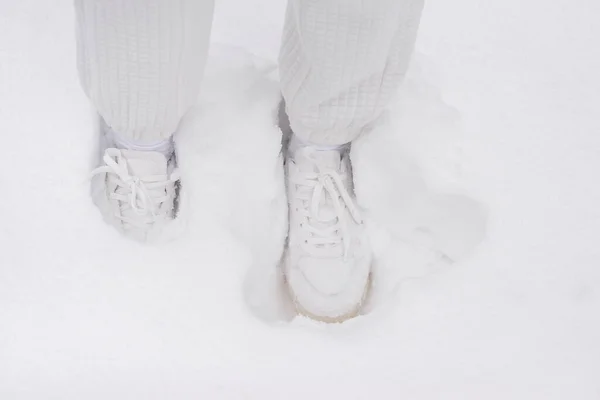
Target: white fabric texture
{"points": [[341, 61], [141, 61]]}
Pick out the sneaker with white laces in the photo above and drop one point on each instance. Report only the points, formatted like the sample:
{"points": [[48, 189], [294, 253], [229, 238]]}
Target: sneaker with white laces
{"points": [[327, 263], [136, 191]]}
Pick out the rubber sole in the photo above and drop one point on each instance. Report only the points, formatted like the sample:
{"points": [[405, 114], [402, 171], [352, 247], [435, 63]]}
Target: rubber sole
{"points": [[354, 312]]}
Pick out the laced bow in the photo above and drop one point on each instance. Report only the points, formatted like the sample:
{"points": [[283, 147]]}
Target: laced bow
{"points": [[327, 188], [142, 195]]}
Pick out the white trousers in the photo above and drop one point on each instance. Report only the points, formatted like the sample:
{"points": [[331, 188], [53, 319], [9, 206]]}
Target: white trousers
{"points": [[141, 62]]}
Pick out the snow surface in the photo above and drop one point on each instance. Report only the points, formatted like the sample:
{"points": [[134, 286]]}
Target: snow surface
{"points": [[481, 188]]}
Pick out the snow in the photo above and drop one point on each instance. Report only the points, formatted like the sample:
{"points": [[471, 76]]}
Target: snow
{"points": [[480, 188]]}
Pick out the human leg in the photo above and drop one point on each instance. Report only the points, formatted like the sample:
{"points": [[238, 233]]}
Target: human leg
{"points": [[140, 63], [341, 62]]}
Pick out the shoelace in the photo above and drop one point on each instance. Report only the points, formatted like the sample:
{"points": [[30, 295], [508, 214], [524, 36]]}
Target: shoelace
{"points": [[324, 231], [136, 192]]}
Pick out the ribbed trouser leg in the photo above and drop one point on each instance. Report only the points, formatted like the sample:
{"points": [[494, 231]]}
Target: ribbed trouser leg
{"points": [[341, 61], [141, 61]]}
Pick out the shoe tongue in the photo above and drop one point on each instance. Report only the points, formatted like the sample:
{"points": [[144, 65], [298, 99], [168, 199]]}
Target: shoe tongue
{"points": [[144, 163], [321, 159], [324, 160], [328, 159]]}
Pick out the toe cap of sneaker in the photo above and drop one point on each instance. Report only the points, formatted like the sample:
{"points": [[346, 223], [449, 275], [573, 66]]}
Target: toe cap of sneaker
{"points": [[329, 288]]}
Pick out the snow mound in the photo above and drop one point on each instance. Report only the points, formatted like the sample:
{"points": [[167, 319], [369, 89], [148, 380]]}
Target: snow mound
{"points": [[513, 160]]}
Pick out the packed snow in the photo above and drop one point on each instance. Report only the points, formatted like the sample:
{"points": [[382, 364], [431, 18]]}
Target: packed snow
{"points": [[480, 185]]}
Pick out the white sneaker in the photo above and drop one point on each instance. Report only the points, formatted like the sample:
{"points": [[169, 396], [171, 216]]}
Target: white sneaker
{"points": [[136, 191], [327, 263]]}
